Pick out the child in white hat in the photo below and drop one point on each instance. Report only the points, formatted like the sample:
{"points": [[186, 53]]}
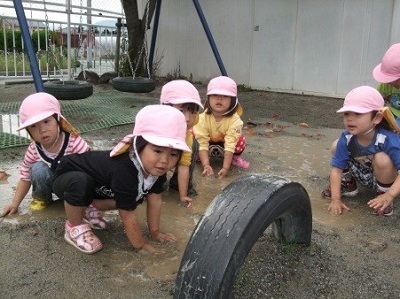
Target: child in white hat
{"points": [[182, 95], [122, 178], [220, 128], [53, 137], [367, 150]]}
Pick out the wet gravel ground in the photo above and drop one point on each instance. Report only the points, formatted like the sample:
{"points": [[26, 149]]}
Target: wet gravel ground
{"points": [[360, 262], [346, 258]]}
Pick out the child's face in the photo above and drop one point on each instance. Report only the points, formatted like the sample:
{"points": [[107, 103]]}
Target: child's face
{"points": [[189, 113], [360, 123], [158, 160], [45, 131], [219, 104]]}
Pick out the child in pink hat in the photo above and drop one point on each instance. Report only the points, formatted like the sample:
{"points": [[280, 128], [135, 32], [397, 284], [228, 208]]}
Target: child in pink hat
{"points": [[387, 73], [123, 178], [219, 130], [367, 150], [182, 95], [53, 137]]}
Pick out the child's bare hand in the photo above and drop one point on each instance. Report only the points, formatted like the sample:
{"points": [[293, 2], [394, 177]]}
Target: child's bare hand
{"points": [[164, 237], [208, 171], [337, 206], [380, 202], [222, 173], [9, 209], [187, 200], [151, 249]]}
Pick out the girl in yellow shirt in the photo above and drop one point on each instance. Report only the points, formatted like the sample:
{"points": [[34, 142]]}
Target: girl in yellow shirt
{"points": [[219, 130]]}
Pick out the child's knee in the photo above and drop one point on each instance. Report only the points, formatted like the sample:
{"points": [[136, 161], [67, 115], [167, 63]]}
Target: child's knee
{"points": [[384, 168], [382, 161], [333, 146], [40, 170], [74, 187]]}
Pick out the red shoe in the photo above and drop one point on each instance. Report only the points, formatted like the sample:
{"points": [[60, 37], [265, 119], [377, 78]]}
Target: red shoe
{"points": [[348, 188]]}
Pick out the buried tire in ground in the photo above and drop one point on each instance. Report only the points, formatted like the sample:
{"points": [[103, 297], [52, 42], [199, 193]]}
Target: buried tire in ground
{"points": [[69, 90], [134, 85], [232, 224]]}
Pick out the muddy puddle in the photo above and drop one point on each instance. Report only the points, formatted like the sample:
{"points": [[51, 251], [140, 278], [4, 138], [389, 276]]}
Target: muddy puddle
{"points": [[291, 151]]}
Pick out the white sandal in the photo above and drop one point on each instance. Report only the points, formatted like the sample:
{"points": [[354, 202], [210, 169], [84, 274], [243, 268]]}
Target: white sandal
{"points": [[82, 238]]}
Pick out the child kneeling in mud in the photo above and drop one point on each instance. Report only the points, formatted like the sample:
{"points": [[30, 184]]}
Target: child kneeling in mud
{"points": [[122, 178], [368, 150]]}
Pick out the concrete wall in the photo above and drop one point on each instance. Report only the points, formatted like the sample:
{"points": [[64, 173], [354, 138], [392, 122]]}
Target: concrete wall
{"points": [[324, 47]]}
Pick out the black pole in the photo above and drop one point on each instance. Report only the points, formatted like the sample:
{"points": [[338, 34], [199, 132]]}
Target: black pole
{"points": [[154, 35], [117, 45], [210, 37], [37, 78]]}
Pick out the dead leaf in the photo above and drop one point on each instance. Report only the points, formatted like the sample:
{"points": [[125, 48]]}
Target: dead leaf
{"points": [[250, 132], [303, 125], [3, 177]]}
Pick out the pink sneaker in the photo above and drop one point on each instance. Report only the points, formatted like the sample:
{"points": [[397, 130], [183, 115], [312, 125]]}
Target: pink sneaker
{"points": [[94, 219], [238, 161]]}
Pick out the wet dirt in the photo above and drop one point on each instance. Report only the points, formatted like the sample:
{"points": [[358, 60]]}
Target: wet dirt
{"points": [[355, 255]]}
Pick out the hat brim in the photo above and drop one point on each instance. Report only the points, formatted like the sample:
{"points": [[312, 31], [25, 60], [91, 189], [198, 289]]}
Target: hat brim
{"points": [[222, 92], [34, 120], [126, 142], [381, 77], [167, 142], [354, 109], [184, 101]]}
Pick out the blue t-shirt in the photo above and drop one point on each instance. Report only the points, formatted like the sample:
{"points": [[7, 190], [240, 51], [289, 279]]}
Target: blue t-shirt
{"points": [[348, 147]]}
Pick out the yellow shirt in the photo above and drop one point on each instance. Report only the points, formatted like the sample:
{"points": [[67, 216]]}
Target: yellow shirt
{"points": [[228, 131], [187, 156]]}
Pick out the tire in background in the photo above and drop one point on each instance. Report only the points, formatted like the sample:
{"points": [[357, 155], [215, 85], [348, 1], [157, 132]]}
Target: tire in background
{"points": [[134, 85], [232, 224], [69, 90]]}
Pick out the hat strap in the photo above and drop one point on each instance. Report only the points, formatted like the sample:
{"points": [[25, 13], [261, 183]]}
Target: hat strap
{"points": [[233, 108], [138, 157]]}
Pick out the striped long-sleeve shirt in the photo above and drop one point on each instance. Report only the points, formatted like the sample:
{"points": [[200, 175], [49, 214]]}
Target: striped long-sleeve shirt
{"points": [[76, 144]]}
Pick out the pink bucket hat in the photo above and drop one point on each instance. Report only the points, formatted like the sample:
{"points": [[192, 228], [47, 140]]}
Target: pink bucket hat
{"points": [[161, 125], [39, 106], [389, 68], [180, 92], [225, 86], [362, 99]]}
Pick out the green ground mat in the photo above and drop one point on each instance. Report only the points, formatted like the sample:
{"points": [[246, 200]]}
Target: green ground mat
{"points": [[99, 111]]}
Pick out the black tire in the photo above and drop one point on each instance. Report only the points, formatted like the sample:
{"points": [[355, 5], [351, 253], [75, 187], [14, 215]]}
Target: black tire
{"points": [[69, 90], [134, 85], [232, 224]]}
